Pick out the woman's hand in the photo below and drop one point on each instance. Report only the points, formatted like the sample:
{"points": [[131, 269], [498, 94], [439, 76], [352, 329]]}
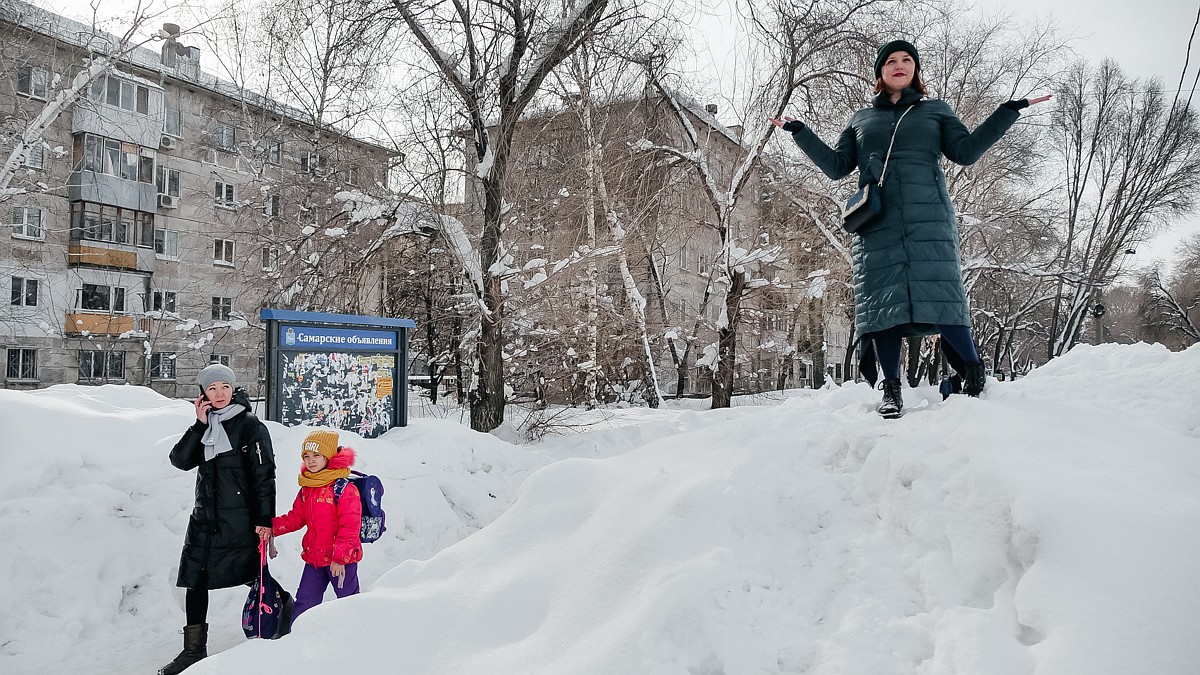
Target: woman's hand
{"points": [[202, 408], [788, 124], [338, 570], [1017, 105], [264, 533]]}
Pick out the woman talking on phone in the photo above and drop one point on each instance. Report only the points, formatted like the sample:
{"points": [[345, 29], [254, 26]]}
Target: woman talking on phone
{"points": [[235, 501], [907, 272]]}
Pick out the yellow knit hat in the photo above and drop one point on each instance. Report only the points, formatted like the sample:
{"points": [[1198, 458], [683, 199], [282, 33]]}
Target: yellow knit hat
{"points": [[323, 441]]}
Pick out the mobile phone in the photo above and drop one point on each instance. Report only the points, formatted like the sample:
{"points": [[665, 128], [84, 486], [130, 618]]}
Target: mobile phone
{"points": [[203, 395]]}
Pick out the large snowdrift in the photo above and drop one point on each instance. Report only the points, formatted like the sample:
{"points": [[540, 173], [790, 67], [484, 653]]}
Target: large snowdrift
{"points": [[1051, 527]]}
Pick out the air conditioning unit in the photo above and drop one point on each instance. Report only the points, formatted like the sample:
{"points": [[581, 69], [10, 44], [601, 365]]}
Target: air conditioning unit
{"points": [[167, 201], [167, 142]]}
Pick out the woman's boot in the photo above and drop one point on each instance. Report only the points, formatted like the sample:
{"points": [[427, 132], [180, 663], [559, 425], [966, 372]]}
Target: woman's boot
{"points": [[974, 379], [893, 402], [195, 647]]}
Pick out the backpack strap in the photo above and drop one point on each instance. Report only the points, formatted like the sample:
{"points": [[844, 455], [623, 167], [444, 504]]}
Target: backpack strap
{"points": [[339, 485]]}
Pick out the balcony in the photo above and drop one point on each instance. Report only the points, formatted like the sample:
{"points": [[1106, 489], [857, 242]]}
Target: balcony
{"points": [[84, 252], [100, 188], [83, 322]]}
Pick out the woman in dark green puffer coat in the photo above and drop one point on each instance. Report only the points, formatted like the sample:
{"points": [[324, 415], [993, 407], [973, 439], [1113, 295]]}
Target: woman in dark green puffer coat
{"points": [[907, 270]]}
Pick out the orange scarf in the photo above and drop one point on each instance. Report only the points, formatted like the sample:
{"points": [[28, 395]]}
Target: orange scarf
{"points": [[323, 477]]}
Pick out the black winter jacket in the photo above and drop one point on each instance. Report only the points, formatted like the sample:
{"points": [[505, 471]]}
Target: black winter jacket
{"points": [[235, 492]]}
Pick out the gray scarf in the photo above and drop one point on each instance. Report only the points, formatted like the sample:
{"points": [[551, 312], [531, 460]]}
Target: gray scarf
{"points": [[215, 440]]}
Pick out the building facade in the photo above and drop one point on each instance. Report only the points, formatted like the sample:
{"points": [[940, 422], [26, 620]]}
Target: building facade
{"points": [[672, 242], [158, 212]]}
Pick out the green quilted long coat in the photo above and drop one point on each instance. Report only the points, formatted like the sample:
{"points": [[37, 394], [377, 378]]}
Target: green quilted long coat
{"points": [[907, 270]]}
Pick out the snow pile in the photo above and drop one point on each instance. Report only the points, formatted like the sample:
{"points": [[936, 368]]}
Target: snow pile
{"points": [[1049, 527], [92, 516]]}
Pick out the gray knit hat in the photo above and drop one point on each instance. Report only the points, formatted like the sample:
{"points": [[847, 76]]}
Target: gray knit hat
{"points": [[215, 372]]}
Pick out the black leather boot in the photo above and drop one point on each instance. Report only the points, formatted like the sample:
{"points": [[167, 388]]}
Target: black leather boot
{"points": [[893, 402], [195, 647], [974, 379]]}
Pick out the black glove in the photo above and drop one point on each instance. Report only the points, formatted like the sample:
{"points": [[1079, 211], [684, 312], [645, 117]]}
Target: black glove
{"points": [[792, 126], [1016, 106]]}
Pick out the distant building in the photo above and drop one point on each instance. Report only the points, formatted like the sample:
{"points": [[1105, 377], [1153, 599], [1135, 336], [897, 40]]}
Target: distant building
{"points": [[160, 212], [672, 245]]}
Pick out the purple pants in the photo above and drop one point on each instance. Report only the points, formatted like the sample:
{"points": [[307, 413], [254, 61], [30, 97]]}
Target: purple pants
{"points": [[313, 582]]}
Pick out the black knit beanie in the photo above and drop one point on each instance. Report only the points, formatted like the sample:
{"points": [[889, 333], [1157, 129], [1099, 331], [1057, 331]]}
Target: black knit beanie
{"points": [[891, 48]]}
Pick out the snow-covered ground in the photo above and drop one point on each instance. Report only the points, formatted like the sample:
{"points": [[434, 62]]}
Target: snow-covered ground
{"points": [[1050, 527]]}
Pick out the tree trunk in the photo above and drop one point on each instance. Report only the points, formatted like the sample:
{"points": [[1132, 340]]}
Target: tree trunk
{"points": [[818, 368], [913, 372], [722, 394], [487, 398]]}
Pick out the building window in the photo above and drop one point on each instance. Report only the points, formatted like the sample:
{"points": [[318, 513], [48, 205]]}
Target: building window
{"points": [[166, 244], [224, 137], [310, 216], [22, 364], [101, 298], [24, 292], [313, 162], [271, 205], [226, 195], [683, 258], [352, 175], [221, 308], [702, 267], [270, 258], [113, 157], [36, 157], [222, 359], [262, 369], [100, 222], [121, 93], [27, 222], [173, 123], [98, 365], [168, 181], [31, 81], [272, 149], [223, 252], [162, 301], [162, 366]]}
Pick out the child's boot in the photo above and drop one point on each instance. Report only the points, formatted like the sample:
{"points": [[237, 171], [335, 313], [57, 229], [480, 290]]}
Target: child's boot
{"points": [[285, 617], [195, 647]]}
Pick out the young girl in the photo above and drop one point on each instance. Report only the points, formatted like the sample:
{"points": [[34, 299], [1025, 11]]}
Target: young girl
{"points": [[332, 547]]}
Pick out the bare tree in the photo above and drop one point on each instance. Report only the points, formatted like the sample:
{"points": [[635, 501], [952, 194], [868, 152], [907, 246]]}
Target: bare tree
{"points": [[99, 56], [495, 56], [803, 44], [1173, 304], [1132, 162]]}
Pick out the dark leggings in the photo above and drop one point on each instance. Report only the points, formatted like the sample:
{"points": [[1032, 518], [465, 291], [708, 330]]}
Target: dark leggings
{"points": [[888, 343], [196, 601]]}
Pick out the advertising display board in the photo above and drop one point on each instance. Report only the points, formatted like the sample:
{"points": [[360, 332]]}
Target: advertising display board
{"points": [[342, 371]]}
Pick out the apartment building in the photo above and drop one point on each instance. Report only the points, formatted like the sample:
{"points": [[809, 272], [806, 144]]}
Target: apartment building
{"points": [[672, 245], [160, 211]]}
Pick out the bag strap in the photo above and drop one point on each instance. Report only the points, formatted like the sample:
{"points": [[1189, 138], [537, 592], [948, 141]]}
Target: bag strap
{"points": [[339, 486], [888, 156], [262, 557]]}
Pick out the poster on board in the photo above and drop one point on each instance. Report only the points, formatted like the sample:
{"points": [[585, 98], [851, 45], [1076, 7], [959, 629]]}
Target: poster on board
{"points": [[343, 390], [347, 385]]}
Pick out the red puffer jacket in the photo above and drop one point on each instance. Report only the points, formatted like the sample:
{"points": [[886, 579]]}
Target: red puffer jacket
{"points": [[333, 529]]}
